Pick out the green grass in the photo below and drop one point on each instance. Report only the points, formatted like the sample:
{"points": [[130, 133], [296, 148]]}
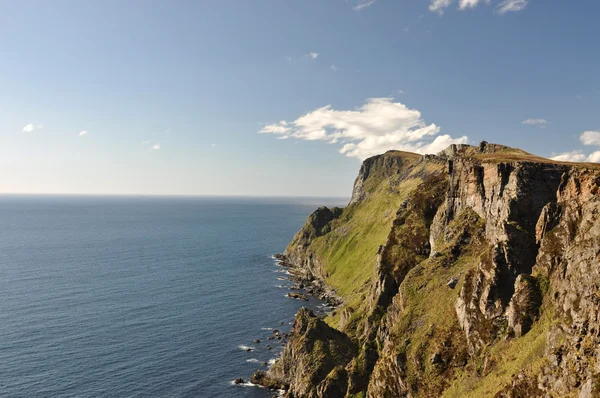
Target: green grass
{"points": [[350, 250], [509, 357]]}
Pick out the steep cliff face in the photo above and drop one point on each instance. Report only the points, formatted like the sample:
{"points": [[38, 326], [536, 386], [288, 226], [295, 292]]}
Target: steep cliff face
{"points": [[471, 273]]}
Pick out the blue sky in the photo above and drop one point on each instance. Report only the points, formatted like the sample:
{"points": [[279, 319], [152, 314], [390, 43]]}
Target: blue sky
{"points": [[259, 97]]}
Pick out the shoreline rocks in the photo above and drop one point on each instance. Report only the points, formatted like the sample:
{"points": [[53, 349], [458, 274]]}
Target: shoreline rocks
{"points": [[297, 296], [312, 286]]}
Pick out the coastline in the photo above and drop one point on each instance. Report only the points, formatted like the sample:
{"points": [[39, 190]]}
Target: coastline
{"points": [[277, 337], [314, 287]]}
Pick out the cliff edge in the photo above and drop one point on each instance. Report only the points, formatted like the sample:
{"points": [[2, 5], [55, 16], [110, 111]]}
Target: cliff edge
{"points": [[469, 273]]}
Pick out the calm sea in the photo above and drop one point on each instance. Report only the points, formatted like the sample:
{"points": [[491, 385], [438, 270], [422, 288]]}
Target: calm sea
{"points": [[140, 296]]}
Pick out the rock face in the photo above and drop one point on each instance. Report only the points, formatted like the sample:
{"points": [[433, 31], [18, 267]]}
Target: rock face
{"points": [[313, 364], [471, 273], [318, 224]]}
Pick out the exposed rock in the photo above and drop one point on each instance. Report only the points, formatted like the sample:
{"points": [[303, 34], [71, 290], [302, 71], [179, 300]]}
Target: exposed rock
{"points": [[452, 282], [489, 263], [522, 386], [317, 353], [239, 381], [436, 359], [297, 296], [386, 165], [524, 305], [261, 378]]}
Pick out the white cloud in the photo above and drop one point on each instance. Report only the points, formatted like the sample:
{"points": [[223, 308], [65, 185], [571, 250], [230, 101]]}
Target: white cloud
{"points": [[578, 156], [377, 126], [82, 133], [276, 128], [312, 55], [511, 5], [464, 4], [439, 5], [594, 157], [335, 68], [590, 138], [363, 4], [573, 156], [31, 127], [534, 122], [155, 147]]}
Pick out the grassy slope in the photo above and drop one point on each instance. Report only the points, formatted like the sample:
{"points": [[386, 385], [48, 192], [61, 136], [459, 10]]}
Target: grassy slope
{"points": [[350, 250], [508, 358]]}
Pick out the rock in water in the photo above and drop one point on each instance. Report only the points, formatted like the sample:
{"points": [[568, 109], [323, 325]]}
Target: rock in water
{"points": [[297, 296]]}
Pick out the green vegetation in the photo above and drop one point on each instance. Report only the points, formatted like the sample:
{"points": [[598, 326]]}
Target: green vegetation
{"points": [[349, 251], [505, 360], [428, 324]]}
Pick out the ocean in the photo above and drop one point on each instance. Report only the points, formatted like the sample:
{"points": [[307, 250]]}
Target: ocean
{"points": [[142, 296]]}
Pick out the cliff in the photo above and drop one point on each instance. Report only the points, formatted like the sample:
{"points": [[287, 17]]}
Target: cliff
{"points": [[467, 274]]}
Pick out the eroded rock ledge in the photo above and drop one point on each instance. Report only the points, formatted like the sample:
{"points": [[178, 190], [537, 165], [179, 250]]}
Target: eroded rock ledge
{"points": [[471, 273]]}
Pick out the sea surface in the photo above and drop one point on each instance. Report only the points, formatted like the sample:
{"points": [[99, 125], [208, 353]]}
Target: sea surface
{"points": [[142, 296]]}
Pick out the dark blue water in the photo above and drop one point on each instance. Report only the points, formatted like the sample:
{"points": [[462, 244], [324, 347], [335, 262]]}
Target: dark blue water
{"points": [[140, 297]]}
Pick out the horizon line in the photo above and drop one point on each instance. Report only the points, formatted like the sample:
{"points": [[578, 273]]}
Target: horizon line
{"points": [[173, 195]]}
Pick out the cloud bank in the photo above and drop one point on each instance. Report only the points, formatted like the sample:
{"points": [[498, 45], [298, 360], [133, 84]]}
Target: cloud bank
{"points": [[586, 138], [377, 126]]}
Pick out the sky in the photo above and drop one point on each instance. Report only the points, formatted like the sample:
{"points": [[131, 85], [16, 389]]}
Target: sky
{"points": [[282, 98]]}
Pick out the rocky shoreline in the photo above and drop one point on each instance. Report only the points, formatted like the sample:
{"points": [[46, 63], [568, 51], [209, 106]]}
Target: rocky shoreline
{"points": [[303, 287], [312, 286]]}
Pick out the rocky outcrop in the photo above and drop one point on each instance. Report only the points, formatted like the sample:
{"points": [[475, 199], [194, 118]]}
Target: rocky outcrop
{"points": [[393, 162], [313, 362], [524, 304], [299, 253], [569, 264], [486, 283]]}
